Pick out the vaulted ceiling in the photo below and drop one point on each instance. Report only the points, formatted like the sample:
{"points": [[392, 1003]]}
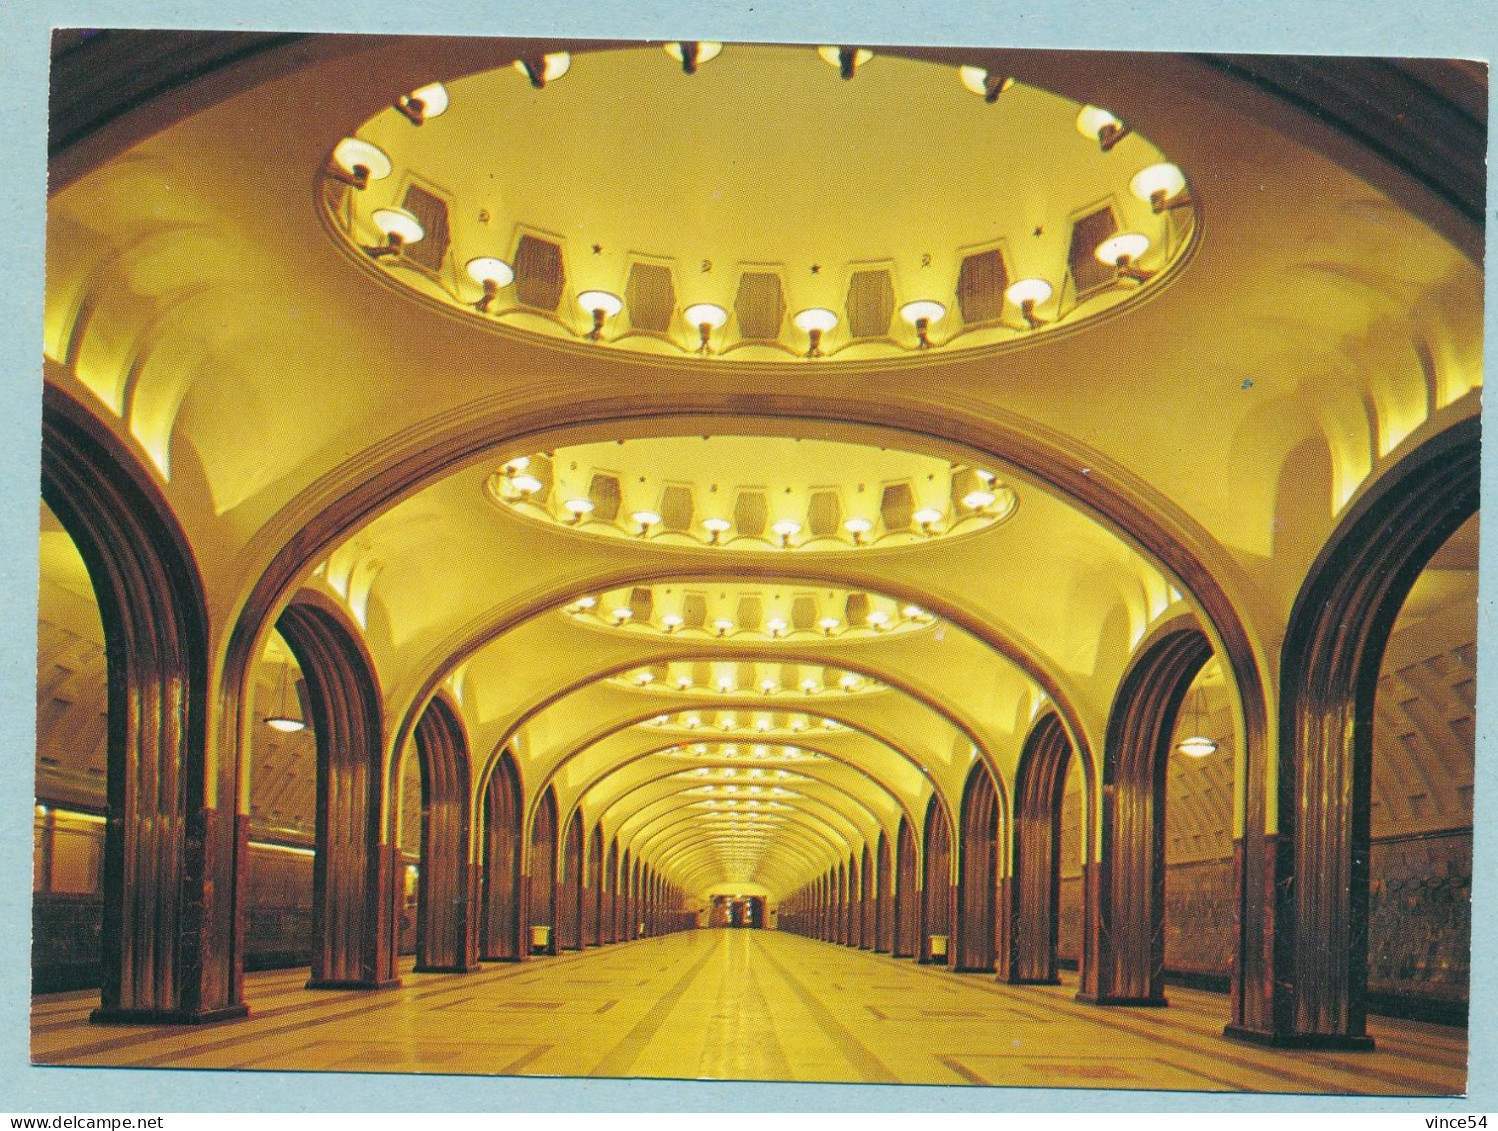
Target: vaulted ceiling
{"points": [[744, 606]]}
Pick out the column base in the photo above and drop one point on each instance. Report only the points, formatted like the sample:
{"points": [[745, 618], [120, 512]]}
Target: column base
{"points": [[1159, 1002], [1341, 1042], [352, 983], [1013, 981], [454, 968], [115, 1016], [973, 969]]}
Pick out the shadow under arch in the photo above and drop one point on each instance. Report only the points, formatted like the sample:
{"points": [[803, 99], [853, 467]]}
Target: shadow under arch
{"points": [[446, 917], [171, 952], [504, 910], [1334, 646], [907, 903], [936, 884], [593, 890], [1128, 930], [354, 873], [884, 895], [979, 933], [1035, 886], [542, 873], [569, 924]]}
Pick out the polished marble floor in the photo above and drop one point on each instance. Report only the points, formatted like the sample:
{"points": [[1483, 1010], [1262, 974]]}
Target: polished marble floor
{"points": [[748, 1005]]}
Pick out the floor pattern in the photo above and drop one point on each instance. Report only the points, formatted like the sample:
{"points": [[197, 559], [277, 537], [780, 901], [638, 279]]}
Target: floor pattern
{"points": [[748, 1005]]}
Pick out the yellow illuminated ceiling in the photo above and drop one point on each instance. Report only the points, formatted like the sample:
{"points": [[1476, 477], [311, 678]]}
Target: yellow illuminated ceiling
{"points": [[293, 396]]}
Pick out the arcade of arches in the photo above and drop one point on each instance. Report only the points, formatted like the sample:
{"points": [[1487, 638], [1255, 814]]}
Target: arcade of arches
{"points": [[1011, 516]]}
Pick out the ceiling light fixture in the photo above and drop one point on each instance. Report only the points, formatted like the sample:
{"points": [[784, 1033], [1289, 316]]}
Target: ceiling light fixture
{"points": [[785, 530], [691, 54], [1162, 186], [1103, 127], [913, 612], [491, 274], [847, 60], [621, 614], [1027, 294], [815, 321], [283, 720], [671, 622], [1197, 745], [601, 305], [828, 625], [879, 618], [707, 317], [355, 162], [777, 626], [921, 314], [928, 517], [716, 528], [578, 507], [525, 483], [542, 69], [1122, 251], [769, 686], [399, 228], [858, 526], [979, 81], [723, 625], [423, 104]]}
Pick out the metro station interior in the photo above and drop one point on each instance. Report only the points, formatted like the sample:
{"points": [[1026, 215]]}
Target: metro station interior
{"points": [[754, 561]]}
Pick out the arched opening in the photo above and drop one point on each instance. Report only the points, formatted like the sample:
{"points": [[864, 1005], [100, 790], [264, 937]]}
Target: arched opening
{"points": [[570, 892], [593, 894], [1129, 928], [907, 904], [936, 888], [354, 878], [543, 876], [1420, 819], [169, 947], [446, 938], [1040, 785], [503, 912], [1333, 651], [884, 893], [978, 866]]}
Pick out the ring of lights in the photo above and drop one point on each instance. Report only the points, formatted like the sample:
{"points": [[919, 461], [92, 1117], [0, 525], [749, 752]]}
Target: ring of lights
{"points": [[442, 198], [811, 495]]}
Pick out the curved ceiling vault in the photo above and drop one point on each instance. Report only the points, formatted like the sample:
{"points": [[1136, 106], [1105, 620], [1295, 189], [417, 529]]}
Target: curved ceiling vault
{"points": [[602, 434]]}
